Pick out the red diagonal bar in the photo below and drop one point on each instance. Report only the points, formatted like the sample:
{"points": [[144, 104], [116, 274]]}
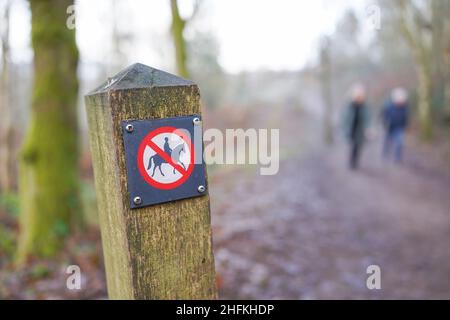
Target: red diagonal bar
{"points": [[166, 157]]}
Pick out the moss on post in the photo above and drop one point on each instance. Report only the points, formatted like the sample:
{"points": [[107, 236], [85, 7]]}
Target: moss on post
{"points": [[48, 182], [162, 251]]}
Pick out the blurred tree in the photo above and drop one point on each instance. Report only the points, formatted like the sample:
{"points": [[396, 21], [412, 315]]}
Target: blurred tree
{"points": [[48, 185], [441, 51], [7, 154], [392, 56], [352, 61], [120, 37], [326, 84], [347, 33], [414, 20], [205, 69], [178, 27]]}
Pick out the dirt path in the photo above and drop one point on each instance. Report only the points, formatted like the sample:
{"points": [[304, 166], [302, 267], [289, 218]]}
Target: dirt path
{"points": [[311, 231], [308, 232]]}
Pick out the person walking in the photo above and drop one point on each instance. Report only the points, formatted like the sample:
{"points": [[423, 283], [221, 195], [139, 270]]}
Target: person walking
{"points": [[356, 121], [395, 119]]}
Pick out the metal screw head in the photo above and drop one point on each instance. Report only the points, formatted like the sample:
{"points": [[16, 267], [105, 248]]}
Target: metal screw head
{"points": [[196, 121], [129, 128], [201, 189], [137, 200]]}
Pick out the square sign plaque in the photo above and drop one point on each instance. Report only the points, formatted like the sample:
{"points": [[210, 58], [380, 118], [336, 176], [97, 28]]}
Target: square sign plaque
{"points": [[164, 160]]}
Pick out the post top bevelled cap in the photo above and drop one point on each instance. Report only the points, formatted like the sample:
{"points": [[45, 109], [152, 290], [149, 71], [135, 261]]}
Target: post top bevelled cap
{"points": [[139, 75]]}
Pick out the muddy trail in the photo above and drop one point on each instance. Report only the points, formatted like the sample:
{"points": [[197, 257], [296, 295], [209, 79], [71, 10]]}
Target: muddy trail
{"points": [[311, 231]]}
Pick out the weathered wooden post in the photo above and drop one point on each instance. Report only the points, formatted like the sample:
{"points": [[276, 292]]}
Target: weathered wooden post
{"points": [[154, 247]]}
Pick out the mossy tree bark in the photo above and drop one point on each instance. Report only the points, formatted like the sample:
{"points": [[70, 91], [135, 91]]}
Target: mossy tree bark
{"points": [[177, 29], [48, 183], [416, 34], [441, 51], [7, 147]]}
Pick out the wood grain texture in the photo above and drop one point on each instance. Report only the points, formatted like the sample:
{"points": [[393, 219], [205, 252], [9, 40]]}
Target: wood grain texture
{"points": [[162, 251]]}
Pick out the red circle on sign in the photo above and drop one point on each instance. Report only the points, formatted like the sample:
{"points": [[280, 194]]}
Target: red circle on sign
{"points": [[140, 160]]}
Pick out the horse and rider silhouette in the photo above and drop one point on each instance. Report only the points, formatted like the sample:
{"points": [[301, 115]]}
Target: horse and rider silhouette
{"points": [[175, 154]]}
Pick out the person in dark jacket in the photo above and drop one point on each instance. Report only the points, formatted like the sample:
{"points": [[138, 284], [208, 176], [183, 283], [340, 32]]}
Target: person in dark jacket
{"points": [[395, 120], [356, 120]]}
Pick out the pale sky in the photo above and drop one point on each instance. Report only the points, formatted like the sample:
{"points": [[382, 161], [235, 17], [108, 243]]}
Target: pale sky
{"points": [[252, 34]]}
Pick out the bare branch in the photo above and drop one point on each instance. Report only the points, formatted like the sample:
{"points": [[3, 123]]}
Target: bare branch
{"points": [[196, 10]]}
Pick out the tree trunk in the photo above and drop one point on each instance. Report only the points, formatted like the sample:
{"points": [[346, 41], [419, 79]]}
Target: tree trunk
{"points": [[441, 52], [48, 182], [445, 49], [424, 103], [177, 29], [325, 57], [421, 53], [7, 152]]}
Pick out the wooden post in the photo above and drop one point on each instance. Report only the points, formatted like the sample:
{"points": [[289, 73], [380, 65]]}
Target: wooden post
{"points": [[162, 251]]}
